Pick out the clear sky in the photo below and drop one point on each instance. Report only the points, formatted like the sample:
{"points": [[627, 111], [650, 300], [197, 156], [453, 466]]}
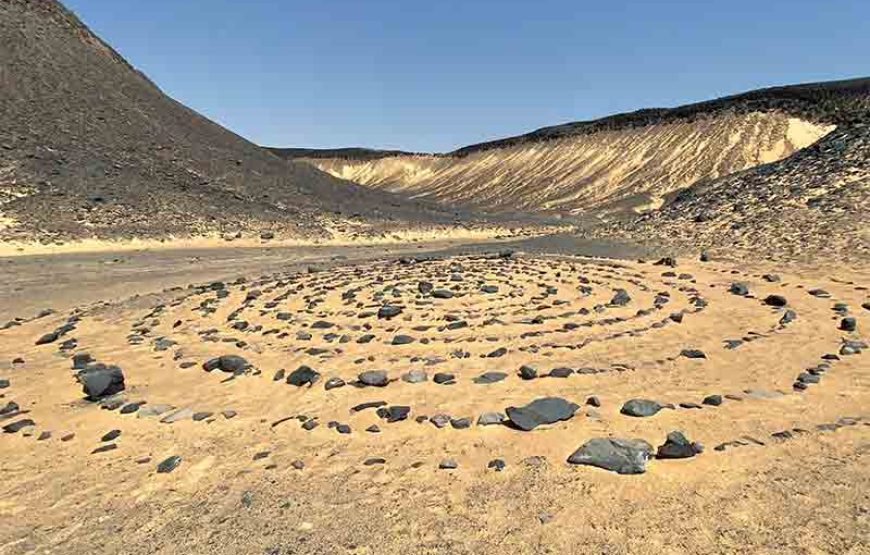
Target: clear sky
{"points": [[435, 75]]}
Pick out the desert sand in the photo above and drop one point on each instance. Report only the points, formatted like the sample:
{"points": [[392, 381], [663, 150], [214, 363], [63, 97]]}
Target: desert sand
{"points": [[782, 468]]}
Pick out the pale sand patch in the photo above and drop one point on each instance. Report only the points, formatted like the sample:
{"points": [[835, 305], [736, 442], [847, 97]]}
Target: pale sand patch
{"points": [[397, 237]]}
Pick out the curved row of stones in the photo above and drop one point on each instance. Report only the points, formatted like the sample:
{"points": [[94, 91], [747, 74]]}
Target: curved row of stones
{"points": [[289, 311]]}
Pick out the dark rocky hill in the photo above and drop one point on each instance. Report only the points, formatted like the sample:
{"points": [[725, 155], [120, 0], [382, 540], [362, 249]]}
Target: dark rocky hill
{"points": [[832, 102], [90, 147]]}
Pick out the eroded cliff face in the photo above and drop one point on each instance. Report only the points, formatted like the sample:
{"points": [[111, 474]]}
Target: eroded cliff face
{"points": [[631, 168]]}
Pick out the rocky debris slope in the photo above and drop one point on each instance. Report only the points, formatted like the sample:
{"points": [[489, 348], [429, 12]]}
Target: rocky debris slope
{"points": [[814, 203]]}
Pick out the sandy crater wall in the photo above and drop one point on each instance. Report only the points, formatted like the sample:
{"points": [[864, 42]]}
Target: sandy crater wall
{"points": [[630, 168]]}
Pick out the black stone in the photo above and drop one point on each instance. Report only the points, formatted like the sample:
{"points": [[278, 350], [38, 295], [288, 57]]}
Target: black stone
{"points": [[641, 408], [389, 311], [545, 410], [620, 298], [18, 425], [739, 289], [496, 464], [101, 381], [394, 413], [623, 456], [489, 377], [528, 373], [304, 375], [110, 436], [444, 378], [169, 464], [375, 378], [368, 405], [561, 372], [775, 300], [676, 446], [233, 364]]}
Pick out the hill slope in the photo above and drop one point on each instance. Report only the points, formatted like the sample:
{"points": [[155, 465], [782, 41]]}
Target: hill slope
{"points": [[811, 207], [90, 147], [584, 172], [624, 161]]}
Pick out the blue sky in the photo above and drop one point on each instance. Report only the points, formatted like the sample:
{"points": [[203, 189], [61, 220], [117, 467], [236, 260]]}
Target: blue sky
{"points": [[435, 75]]}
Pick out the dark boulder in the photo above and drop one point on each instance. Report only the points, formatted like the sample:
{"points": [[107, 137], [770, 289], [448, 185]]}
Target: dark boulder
{"points": [[304, 375], [676, 446], [787, 317], [739, 289], [775, 300], [169, 464], [424, 287], [620, 298], [712, 400], [489, 377], [101, 381], [394, 413], [641, 407], [389, 311], [233, 364], [528, 373], [545, 410], [623, 456], [375, 378], [18, 425]]}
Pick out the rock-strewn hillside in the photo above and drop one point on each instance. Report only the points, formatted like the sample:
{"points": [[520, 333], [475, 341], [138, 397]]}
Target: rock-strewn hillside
{"points": [[90, 147], [814, 203]]}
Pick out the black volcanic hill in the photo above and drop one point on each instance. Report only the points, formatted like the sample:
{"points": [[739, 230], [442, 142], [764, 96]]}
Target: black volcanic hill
{"points": [[835, 102], [90, 147], [842, 102], [347, 153]]}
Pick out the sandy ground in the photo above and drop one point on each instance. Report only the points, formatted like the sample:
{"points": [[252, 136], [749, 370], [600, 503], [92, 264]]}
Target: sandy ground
{"points": [[236, 489], [59, 281]]}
